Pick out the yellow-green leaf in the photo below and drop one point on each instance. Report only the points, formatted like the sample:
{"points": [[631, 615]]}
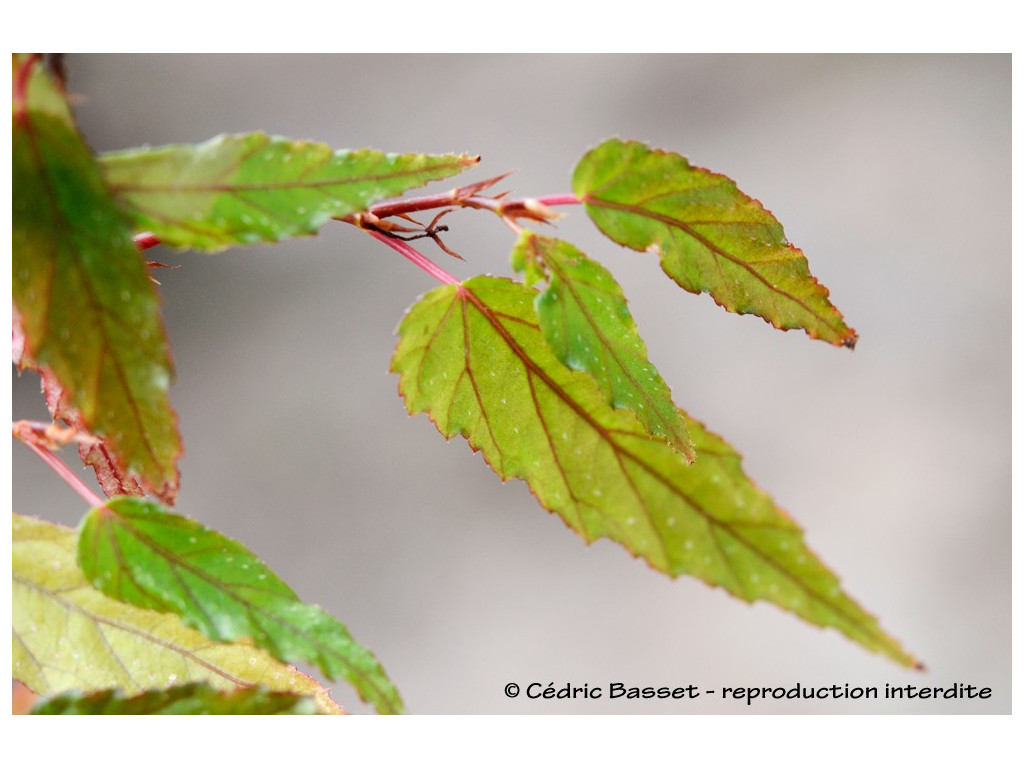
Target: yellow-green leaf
{"points": [[88, 310], [711, 236], [586, 321], [134, 550], [472, 356], [69, 636], [250, 188]]}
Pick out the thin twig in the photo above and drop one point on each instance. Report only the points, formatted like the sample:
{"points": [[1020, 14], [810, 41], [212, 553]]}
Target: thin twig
{"points": [[415, 257], [27, 433]]}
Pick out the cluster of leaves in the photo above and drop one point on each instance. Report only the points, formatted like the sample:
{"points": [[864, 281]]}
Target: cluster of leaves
{"points": [[552, 384]]}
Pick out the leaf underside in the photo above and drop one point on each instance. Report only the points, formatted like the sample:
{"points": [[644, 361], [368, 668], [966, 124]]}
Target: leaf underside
{"points": [[711, 237], [87, 309], [69, 636], [189, 699], [585, 319], [134, 551], [473, 358], [250, 188]]}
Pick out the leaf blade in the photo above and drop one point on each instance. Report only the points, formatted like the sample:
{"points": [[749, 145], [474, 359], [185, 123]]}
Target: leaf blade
{"points": [[87, 308], [585, 319], [472, 357], [188, 699], [132, 550], [69, 636], [711, 237], [248, 188]]}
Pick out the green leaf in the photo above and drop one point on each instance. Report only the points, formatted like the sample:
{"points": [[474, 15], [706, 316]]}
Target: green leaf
{"points": [[189, 699], [69, 636], [473, 357], [256, 188], [711, 237], [89, 312], [133, 550], [585, 319]]}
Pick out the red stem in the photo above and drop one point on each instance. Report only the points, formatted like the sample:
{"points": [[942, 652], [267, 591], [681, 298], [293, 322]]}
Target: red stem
{"points": [[415, 257], [535, 208], [65, 473], [505, 208], [508, 210], [558, 200], [519, 207]]}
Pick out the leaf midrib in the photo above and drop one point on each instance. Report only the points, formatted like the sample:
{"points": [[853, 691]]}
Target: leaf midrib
{"points": [[73, 607], [284, 185], [855, 623], [685, 227]]}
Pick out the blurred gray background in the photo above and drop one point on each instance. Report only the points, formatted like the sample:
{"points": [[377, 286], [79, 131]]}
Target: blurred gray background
{"points": [[892, 173]]}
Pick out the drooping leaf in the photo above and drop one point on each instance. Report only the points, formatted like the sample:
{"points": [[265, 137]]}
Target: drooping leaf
{"points": [[94, 451], [88, 311], [252, 187], [133, 550], [188, 699], [711, 237], [586, 321], [69, 636], [472, 357]]}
